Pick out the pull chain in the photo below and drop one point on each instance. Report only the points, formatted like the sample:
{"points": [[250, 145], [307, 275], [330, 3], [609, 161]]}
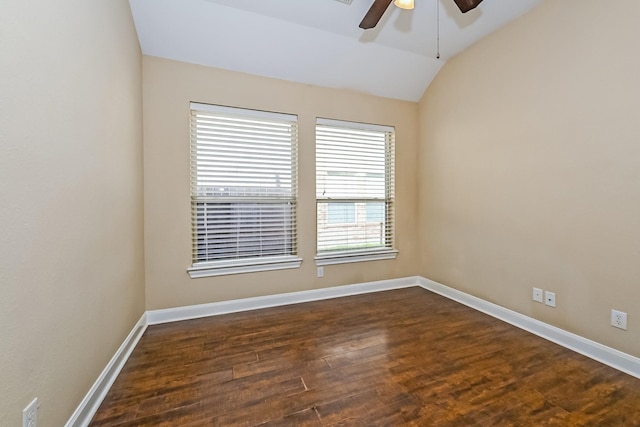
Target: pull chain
{"points": [[438, 29]]}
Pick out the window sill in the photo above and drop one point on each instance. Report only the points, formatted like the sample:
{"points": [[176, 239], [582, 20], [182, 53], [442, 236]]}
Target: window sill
{"points": [[361, 256], [222, 268]]}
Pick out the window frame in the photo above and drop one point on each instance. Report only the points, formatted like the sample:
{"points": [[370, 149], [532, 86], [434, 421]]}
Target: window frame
{"points": [[329, 257], [230, 265]]}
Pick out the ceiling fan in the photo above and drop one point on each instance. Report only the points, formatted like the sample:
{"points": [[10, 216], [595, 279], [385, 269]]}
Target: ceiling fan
{"points": [[378, 8]]}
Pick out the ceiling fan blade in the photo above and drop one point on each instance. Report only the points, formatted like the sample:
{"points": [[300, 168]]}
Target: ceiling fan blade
{"points": [[467, 5], [374, 14]]}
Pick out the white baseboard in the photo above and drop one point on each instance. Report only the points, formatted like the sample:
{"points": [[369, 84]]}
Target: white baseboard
{"points": [[86, 410], [609, 356], [217, 308]]}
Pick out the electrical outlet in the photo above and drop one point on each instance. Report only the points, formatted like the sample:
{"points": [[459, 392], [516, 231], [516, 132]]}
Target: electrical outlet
{"points": [[619, 319], [550, 298], [537, 294], [30, 414], [320, 271]]}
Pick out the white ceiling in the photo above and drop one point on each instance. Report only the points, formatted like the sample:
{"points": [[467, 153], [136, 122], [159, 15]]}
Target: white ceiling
{"points": [[318, 41]]}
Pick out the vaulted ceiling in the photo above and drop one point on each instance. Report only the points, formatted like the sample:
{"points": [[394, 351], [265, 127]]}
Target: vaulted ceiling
{"points": [[318, 41]]}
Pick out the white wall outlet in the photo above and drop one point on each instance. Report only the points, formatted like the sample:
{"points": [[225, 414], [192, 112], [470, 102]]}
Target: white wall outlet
{"points": [[550, 298], [30, 414], [320, 271], [619, 319], [537, 294]]}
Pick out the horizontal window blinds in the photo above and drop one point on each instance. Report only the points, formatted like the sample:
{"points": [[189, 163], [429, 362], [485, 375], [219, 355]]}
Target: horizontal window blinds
{"points": [[354, 186], [243, 183]]}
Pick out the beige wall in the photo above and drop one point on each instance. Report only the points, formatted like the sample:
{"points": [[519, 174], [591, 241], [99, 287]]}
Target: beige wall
{"points": [[71, 253], [168, 88], [530, 171]]}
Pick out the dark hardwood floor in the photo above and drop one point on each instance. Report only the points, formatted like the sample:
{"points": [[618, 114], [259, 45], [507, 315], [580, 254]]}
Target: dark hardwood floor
{"points": [[399, 358]]}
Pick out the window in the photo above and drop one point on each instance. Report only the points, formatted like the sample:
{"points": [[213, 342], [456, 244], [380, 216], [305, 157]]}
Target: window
{"points": [[243, 190], [354, 192]]}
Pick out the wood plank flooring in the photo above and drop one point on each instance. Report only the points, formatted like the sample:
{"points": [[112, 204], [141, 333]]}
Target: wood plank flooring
{"points": [[405, 357]]}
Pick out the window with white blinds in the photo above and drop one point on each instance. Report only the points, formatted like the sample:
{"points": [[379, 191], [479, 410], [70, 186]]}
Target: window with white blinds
{"points": [[354, 191], [243, 190]]}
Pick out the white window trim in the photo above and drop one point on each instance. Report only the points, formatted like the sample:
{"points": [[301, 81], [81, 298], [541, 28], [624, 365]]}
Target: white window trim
{"points": [[249, 265], [258, 114], [354, 125], [353, 256]]}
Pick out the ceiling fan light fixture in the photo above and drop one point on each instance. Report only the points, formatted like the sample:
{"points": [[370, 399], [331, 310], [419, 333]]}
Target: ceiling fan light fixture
{"points": [[404, 4]]}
